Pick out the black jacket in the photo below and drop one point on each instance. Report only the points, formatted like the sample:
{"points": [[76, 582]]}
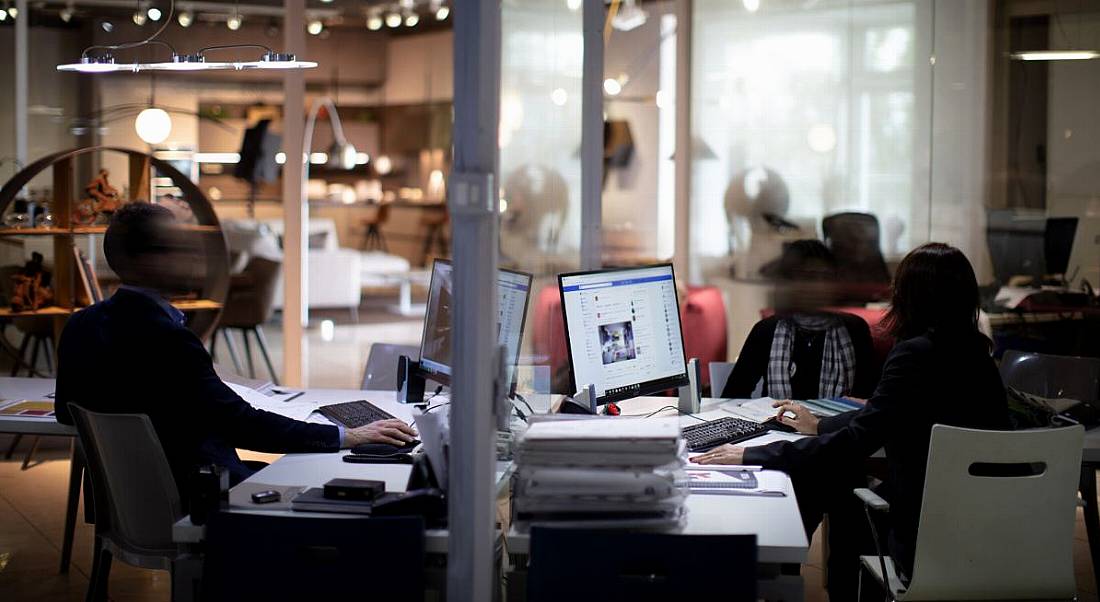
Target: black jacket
{"points": [[930, 379], [752, 364], [126, 355]]}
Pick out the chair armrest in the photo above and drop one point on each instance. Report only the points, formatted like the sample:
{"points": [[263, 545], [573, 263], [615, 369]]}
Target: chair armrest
{"points": [[872, 500]]}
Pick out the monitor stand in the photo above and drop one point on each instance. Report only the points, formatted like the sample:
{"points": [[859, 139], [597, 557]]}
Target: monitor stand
{"points": [[690, 401]]}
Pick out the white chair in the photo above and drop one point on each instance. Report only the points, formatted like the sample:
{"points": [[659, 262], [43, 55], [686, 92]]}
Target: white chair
{"points": [[719, 375], [997, 518]]}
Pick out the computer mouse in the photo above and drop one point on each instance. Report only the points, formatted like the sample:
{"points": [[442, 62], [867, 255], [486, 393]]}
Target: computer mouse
{"points": [[775, 425], [384, 449]]}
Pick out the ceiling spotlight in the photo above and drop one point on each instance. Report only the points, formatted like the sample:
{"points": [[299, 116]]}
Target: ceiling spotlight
{"points": [[234, 22], [186, 18], [66, 13], [315, 27], [374, 22], [612, 87], [154, 13], [751, 5], [107, 26], [393, 20], [573, 5], [559, 96], [139, 17], [442, 13], [3, 16], [412, 19], [383, 165], [13, 12], [326, 1]]}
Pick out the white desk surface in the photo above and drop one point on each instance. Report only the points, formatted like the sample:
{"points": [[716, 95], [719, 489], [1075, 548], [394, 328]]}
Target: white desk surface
{"points": [[775, 521], [30, 388]]}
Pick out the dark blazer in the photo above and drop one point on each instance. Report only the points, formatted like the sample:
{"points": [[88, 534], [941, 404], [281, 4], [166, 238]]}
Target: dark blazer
{"points": [[930, 379], [127, 355], [752, 364]]}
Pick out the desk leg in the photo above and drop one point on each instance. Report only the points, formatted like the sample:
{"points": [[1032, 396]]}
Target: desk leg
{"points": [[76, 476], [1092, 515]]}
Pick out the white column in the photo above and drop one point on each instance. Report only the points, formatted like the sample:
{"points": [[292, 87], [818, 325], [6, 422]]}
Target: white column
{"points": [[295, 208], [21, 82], [682, 254], [592, 137], [473, 201]]}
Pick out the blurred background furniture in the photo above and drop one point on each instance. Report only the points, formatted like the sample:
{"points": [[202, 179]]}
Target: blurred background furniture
{"points": [[250, 303], [374, 240], [380, 373], [854, 240]]}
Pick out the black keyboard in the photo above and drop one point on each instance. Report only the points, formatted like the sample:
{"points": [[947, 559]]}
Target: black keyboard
{"points": [[354, 414], [708, 435]]}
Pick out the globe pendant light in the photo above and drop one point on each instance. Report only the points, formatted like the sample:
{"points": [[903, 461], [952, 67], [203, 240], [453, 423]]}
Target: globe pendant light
{"points": [[153, 125]]}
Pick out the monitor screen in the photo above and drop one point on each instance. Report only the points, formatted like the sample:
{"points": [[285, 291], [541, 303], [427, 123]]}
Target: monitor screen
{"points": [[513, 292], [623, 331]]}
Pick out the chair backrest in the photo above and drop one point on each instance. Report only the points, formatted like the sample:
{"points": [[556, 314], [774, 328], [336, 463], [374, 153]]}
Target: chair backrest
{"points": [[585, 564], [380, 373], [854, 240], [998, 514], [251, 299], [135, 495], [703, 321], [719, 374], [1052, 376], [276, 557]]}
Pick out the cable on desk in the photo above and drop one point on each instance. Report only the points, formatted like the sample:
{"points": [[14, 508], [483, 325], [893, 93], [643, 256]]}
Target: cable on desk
{"points": [[678, 410]]}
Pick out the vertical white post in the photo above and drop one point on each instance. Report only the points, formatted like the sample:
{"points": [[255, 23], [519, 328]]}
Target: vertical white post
{"points": [[684, 267], [21, 83], [473, 201], [592, 137], [295, 209]]}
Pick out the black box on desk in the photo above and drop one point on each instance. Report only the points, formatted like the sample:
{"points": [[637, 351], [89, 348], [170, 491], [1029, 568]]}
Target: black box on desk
{"points": [[354, 489]]}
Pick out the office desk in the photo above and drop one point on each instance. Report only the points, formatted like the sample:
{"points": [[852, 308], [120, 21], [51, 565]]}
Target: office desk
{"points": [[42, 388]]}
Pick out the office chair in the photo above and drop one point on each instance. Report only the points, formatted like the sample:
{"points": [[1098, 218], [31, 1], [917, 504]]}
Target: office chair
{"points": [[373, 239], [854, 240], [587, 564], [134, 495], [380, 373], [279, 557], [997, 518], [250, 303]]}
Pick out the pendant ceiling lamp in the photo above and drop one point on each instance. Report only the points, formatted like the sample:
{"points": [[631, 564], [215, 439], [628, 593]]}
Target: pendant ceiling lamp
{"points": [[101, 59]]}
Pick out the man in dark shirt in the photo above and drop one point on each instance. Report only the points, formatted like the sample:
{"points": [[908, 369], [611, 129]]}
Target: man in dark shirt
{"points": [[132, 353]]}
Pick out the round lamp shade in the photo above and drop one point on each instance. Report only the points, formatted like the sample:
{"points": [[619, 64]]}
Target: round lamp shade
{"points": [[153, 125]]}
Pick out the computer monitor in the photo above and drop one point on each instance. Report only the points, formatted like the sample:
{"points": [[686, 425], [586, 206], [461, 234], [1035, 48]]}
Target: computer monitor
{"points": [[1058, 237], [513, 293], [623, 331]]}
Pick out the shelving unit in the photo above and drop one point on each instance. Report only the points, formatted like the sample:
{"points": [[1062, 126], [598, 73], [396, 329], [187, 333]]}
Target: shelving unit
{"points": [[202, 312]]}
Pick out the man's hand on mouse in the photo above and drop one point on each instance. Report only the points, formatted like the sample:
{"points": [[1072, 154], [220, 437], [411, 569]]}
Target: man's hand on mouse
{"points": [[393, 432], [802, 421], [723, 454]]}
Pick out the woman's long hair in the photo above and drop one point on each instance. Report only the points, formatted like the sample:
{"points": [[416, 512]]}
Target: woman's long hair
{"points": [[935, 290]]}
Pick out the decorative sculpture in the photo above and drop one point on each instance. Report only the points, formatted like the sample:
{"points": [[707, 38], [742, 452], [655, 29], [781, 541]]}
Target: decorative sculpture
{"points": [[31, 290], [101, 200]]}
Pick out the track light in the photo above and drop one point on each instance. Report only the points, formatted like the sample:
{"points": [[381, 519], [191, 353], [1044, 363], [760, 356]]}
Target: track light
{"points": [[186, 18], [154, 13], [107, 26], [3, 16], [66, 13], [393, 20], [315, 27], [234, 22], [442, 13], [13, 12], [374, 22], [412, 19], [139, 17]]}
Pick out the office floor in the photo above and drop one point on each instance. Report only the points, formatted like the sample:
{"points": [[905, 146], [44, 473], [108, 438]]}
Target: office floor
{"points": [[32, 502]]}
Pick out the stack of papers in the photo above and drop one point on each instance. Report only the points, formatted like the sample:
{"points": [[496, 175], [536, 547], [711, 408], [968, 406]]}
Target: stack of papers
{"points": [[760, 410], [614, 472]]}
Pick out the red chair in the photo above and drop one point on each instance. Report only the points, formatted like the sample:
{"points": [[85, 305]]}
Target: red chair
{"points": [[548, 339], [703, 320]]}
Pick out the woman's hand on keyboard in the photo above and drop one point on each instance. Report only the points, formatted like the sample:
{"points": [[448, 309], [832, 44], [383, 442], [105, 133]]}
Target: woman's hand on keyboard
{"points": [[723, 454], [803, 421], [394, 432]]}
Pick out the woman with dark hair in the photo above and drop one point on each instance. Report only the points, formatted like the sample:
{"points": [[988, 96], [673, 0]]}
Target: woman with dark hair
{"points": [[940, 372]]}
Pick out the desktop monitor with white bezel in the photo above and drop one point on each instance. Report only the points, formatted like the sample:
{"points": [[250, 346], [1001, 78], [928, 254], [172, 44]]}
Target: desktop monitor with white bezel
{"points": [[513, 293], [623, 331]]}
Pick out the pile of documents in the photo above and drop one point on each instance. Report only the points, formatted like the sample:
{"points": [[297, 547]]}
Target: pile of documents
{"points": [[612, 472]]}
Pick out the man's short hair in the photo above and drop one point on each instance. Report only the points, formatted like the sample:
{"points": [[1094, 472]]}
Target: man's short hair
{"points": [[136, 232]]}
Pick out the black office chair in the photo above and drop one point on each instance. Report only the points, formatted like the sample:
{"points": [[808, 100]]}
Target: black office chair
{"points": [[854, 240], [584, 564], [272, 557]]}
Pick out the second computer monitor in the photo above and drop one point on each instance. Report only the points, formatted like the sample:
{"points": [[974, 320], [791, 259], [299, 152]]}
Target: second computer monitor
{"points": [[623, 331], [513, 292]]}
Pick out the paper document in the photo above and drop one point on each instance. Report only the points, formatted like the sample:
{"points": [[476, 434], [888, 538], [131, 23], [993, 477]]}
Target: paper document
{"points": [[602, 429], [297, 409], [27, 408], [756, 410]]}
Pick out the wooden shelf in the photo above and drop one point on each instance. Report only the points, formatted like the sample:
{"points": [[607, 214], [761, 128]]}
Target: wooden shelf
{"points": [[186, 305], [89, 230], [34, 231]]}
